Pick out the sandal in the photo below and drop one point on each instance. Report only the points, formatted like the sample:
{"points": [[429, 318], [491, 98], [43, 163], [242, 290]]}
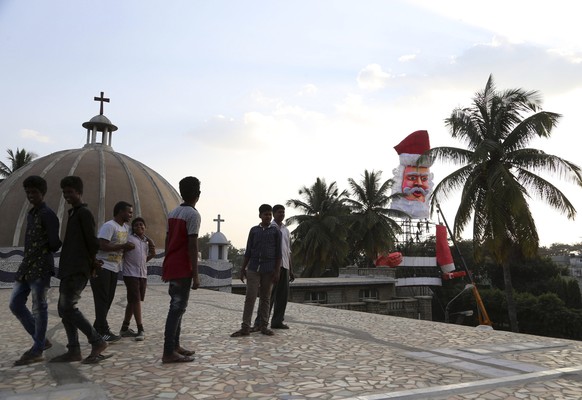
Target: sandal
{"points": [[95, 359], [241, 332], [67, 357], [173, 360]]}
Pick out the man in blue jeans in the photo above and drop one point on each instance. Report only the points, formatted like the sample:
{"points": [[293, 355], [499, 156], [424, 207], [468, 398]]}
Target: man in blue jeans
{"points": [[180, 267], [35, 271]]}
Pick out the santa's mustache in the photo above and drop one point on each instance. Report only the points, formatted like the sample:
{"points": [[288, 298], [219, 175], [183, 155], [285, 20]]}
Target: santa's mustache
{"points": [[412, 190]]}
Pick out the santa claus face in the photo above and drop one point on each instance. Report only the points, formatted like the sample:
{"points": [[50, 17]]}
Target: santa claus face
{"points": [[416, 183]]}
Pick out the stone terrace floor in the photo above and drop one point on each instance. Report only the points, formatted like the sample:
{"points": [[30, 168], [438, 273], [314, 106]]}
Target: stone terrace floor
{"points": [[327, 354]]}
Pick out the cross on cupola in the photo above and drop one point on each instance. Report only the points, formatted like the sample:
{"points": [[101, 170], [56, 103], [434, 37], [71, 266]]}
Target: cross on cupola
{"points": [[99, 124], [218, 221], [101, 100]]}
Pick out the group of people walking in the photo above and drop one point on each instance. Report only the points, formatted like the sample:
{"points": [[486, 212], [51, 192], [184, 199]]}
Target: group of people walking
{"points": [[119, 247], [84, 257]]}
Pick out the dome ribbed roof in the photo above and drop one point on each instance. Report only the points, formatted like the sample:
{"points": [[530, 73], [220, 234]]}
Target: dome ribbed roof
{"points": [[108, 177]]}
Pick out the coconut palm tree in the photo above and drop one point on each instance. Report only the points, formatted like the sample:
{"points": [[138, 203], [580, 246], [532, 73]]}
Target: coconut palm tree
{"points": [[319, 240], [17, 160], [373, 230], [499, 173]]}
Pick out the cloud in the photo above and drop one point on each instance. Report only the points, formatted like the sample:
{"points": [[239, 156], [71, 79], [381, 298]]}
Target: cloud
{"points": [[308, 90], [257, 128], [34, 135], [372, 77], [512, 65], [407, 57]]}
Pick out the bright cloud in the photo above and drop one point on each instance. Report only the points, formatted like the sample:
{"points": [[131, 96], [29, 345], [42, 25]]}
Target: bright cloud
{"points": [[372, 77], [308, 90], [34, 135], [407, 57]]}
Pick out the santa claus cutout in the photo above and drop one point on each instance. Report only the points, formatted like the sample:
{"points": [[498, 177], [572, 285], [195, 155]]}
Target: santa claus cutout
{"points": [[412, 178]]}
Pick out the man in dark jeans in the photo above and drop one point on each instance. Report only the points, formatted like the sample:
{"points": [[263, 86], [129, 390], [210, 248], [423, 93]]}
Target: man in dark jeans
{"points": [[76, 265], [180, 267], [34, 273]]}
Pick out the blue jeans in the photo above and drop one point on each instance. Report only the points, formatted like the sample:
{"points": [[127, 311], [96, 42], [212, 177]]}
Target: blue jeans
{"points": [[35, 322], [73, 319], [179, 292]]}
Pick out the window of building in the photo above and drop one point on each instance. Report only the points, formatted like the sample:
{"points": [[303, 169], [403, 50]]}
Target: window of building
{"points": [[316, 297], [368, 294]]}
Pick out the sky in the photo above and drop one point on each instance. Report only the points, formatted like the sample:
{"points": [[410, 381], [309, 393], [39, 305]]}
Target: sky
{"points": [[260, 98]]}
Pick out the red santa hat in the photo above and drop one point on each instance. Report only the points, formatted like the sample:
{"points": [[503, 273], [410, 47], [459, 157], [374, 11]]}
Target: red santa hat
{"points": [[413, 145]]}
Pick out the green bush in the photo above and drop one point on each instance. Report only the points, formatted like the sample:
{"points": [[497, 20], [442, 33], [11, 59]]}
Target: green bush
{"points": [[544, 315]]}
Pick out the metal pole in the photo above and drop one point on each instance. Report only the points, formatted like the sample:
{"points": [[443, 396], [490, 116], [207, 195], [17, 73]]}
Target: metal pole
{"points": [[464, 264], [482, 312]]}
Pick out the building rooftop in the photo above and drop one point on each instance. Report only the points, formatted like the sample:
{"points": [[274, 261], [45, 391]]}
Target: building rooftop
{"points": [[326, 354]]}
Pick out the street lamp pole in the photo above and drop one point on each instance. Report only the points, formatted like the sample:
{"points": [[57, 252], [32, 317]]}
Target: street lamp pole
{"points": [[467, 287]]}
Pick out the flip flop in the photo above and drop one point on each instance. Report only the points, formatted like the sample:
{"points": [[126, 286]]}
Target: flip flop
{"points": [[240, 333], [184, 352], [96, 359], [178, 360]]}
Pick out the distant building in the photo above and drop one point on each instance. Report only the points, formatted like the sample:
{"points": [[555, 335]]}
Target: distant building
{"points": [[370, 290]]}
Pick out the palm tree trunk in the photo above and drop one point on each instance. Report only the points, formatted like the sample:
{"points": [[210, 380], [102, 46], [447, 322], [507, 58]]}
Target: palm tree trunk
{"points": [[511, 307]]}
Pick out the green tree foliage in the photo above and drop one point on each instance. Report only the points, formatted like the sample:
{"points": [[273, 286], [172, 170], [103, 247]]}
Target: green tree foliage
{"points": [[560, 249], [319, 242], [203, 246], [18, 159], [372, 231], [498, 174]]}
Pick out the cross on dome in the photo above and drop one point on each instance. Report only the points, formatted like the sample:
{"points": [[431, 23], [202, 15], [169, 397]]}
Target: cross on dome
{"points": [[218, 221], [101, 99]]}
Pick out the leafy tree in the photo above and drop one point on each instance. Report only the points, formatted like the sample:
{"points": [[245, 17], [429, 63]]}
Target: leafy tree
{"points": [[236, 256], [498, 174], [203, 246], [560, 249], [17, 160], [319, 240], [373, 231]]}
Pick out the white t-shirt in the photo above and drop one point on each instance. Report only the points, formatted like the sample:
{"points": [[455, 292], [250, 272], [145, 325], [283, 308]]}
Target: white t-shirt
{"points": [[285, 244], [116, 234]]}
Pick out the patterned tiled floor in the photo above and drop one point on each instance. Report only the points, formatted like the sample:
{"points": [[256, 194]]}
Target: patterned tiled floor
{"points": [[327, 354]]}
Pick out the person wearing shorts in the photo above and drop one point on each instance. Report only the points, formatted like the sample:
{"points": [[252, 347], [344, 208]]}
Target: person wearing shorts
{"points": [[135, 277]]}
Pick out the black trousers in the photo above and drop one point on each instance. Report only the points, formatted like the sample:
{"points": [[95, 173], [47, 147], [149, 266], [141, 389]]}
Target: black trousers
{"points": [[70, 291], [279, 298], [103, 287]]}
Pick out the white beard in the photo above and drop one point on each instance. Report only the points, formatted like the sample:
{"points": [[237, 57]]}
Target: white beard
{"points": [[415, 209]]}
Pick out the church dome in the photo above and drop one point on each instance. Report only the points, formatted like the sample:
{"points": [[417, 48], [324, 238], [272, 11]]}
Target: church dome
{"points": [[108, 177]]}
